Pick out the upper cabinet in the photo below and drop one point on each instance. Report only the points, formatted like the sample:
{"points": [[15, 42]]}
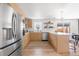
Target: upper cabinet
{"points": [[29, 23]]}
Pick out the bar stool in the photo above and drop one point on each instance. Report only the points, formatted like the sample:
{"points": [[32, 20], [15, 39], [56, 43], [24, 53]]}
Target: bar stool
{"points": [[76, 40]]}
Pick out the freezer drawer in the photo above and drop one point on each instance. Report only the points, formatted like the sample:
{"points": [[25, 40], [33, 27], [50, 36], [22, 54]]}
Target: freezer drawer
{"points": [[8, 50], [17, 52]]}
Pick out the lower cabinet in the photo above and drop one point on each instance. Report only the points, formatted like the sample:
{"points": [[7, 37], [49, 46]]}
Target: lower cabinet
{"points": [[63, 44], [36, 36], [52, 40], [26, 40], [60, 43]]}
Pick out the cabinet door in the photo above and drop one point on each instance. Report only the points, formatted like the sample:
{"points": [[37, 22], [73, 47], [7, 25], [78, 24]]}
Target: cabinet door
{"points": [[29, 23], [26, 40], [62, 44], [36, 36], [49, 38], [52, 40]]}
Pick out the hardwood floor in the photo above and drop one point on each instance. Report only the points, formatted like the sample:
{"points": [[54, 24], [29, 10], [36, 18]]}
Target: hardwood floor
{"points": [[39, 48]]}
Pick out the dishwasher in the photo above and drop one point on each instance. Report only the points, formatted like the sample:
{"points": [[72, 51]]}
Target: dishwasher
{"points": [[45, 36]]}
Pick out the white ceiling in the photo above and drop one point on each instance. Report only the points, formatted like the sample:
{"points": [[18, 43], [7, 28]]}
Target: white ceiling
{"points": [[50, 10]]}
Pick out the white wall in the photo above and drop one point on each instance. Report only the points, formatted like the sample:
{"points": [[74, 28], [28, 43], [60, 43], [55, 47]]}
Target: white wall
{"points": [[37, 23], [73, 25]]}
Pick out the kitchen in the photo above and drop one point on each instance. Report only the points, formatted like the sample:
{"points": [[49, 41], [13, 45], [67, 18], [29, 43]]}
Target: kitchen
{"points": [[58, 38], [50, 29]]}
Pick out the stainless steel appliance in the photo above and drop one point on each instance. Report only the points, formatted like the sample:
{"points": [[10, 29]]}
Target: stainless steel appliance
{"points": [[10, 31], [45, 36]]}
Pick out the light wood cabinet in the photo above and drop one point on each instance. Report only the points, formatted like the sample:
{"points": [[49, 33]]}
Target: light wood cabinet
{"points": [[29, 23], [36, 36], [26, 40], [52, 40], [63, 44], [60, 43]]}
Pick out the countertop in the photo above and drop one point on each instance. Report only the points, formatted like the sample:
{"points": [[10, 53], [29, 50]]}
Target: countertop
{"points": [[60, 33], [56, 33]]}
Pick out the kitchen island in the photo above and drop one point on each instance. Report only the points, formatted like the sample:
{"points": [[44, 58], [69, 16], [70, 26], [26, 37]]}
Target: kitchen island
{"points": [[60, 42]]}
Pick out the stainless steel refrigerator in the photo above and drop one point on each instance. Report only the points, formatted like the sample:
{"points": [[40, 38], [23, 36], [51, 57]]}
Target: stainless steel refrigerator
{"points": [[10, 31]]}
